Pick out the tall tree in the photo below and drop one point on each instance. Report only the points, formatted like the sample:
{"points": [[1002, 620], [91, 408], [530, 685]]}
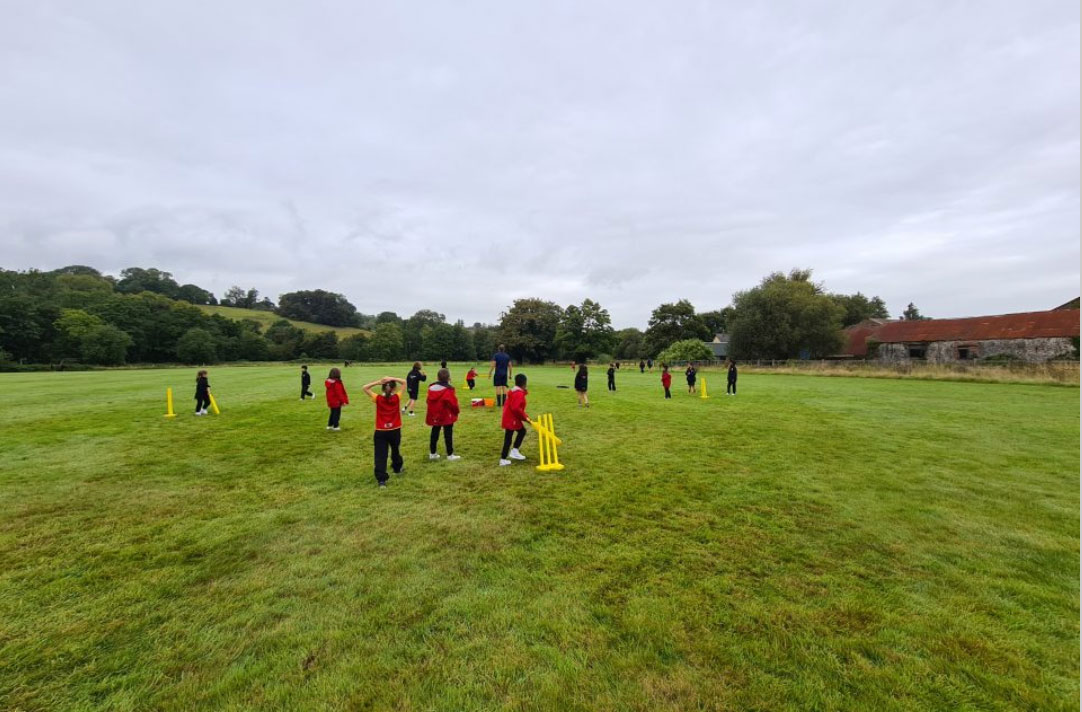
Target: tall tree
{"points": [[785, 317], [670, 323], [318, 306], [462, 347], [858, 307], [136, 279], [412, 328], [911, 313], [585, 331], [528, 329], [386, 343], [630, 344], [717, 321]]}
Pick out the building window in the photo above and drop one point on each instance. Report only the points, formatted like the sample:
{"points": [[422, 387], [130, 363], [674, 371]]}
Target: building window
{"points": [[967, 353], [918, 351]]}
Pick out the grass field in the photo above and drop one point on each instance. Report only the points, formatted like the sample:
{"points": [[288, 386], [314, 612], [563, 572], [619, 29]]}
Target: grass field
{"points": [[814, 543], [266, 318]]}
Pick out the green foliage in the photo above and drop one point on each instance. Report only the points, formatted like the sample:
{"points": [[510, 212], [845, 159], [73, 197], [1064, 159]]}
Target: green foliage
{"points": [[911, 313], [630, 344], [858, 308], [528, 330], [134, 280], [195, 295], [322, 345], [717, 321], [687, 350], [197, 346], [437, 342], [670, 323], [285, 340], [785, 317], [462, 346], [87, 338], [412, 330], [585, 331], [386, 342], [485, 341], [353, 348], [319, 306]]}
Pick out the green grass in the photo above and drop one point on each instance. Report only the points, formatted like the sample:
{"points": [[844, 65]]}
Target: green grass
{"points": [[814, 543], [266, 318]]}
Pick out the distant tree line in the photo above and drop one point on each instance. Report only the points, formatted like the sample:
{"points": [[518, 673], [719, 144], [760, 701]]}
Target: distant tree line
{"points": [[79, 314]]}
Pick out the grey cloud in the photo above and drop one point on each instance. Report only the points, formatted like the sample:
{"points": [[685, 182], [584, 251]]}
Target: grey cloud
{"points": [[457, 156]]}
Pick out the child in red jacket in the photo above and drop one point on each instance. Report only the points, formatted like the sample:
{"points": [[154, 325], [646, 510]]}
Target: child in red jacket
{"points": [[388, 435], [514, 415], [442, 412], [336, 398], [471, 377], [666, 379]]}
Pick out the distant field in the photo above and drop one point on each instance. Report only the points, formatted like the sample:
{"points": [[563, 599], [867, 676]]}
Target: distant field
{"points": [[267, 318], [811, 544]]}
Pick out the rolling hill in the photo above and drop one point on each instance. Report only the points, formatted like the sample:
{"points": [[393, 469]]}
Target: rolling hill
{"points": [[266, 318]]}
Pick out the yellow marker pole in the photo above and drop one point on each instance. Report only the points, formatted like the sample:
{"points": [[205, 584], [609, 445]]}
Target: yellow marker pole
{"points": [[169, 403], [555, 464], [213, 404], [702, 393]]}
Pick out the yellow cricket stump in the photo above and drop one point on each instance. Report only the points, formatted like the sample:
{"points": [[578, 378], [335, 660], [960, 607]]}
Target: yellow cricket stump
{"points": [[547, 442], [702, 393], [169, 403], [214, 404]]}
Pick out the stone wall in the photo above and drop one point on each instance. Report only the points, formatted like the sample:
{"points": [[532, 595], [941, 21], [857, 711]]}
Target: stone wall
{"points": [[1031, 350]]}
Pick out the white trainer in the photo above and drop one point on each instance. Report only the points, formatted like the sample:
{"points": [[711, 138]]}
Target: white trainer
{"points": [[516, 455], [504, 463], [434, 456], [453, 458], [336, 429]]}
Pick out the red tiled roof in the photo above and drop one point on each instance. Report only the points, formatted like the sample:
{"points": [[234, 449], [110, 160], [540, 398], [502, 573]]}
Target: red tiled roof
{"points": [[857, 336], [1029, 325]]}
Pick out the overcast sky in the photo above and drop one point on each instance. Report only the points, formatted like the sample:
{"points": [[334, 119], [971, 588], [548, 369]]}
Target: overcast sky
{"points": [[458, 155]]}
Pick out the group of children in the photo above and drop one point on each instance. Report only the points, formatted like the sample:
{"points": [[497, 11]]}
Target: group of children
{"points": [[442, 408]]}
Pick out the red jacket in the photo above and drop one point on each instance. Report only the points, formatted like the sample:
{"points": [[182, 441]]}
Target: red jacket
{"points": [[472, 374], [666, 379], [336, 393], [388, 414], [442, 404], [514, 409]]}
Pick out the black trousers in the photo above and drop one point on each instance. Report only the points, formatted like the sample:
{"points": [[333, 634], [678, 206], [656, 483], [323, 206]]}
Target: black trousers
{"points": [[667, 393], [731, 388], [612, 384], [385, 440], [471, 383], [202, 402], [334, 417], [519, 435], [448, 438], [306, 393]]}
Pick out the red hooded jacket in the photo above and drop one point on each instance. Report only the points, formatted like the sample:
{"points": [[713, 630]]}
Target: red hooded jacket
{"points": [[666, 379], [442, 404], [336, 393], [514, 409]]}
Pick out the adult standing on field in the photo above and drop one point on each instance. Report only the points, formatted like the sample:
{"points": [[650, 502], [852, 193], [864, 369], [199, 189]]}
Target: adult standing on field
{"points": [[500, 370]]}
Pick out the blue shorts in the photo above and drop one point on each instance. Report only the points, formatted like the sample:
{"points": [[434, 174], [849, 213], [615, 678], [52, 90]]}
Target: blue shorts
{"points": [[499, 379]]}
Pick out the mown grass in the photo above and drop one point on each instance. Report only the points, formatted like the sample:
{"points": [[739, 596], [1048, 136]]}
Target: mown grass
{"points": [[1061, 373], [814, 543], [266, 318]]}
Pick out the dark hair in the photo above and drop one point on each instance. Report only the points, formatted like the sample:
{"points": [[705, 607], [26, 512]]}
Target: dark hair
{"points": [[388, 389], [335, 374], [443, 376], [304, 368], [520, 379], [416, 365], [199, 375]]}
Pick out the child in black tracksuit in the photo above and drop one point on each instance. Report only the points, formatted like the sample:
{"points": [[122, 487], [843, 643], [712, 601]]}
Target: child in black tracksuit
{"points": [[306, 382], [413, 386], [202, 393], [730, 388], [581, 384], [612, 376]]}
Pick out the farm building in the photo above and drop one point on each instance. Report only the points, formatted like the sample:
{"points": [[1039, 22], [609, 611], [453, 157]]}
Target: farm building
{"points": [[1030, 336], [720, 346]]}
